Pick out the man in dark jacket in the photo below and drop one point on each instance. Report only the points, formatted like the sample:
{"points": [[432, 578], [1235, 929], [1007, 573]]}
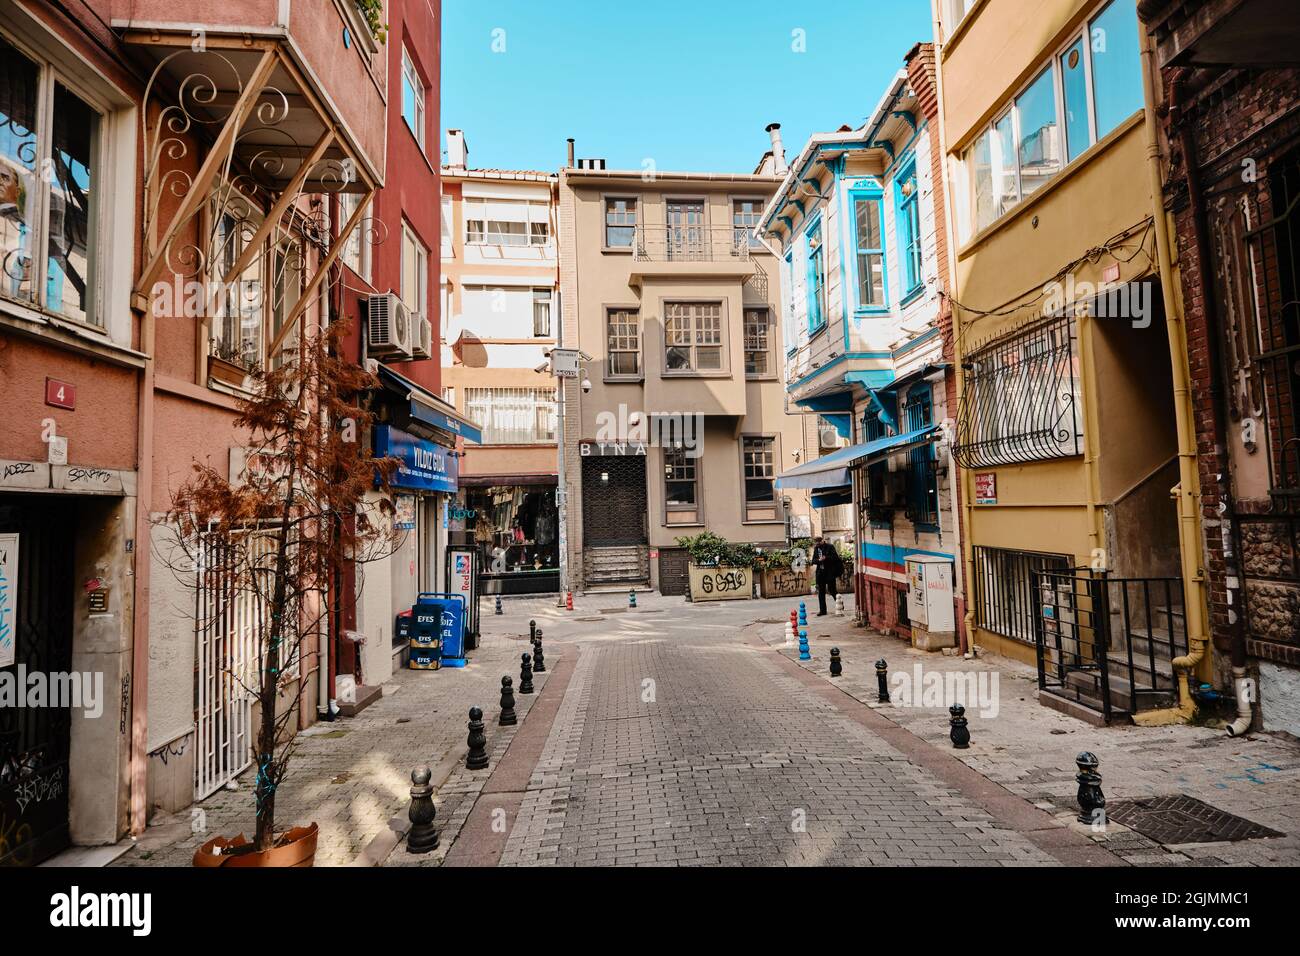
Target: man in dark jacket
{"points": [[829, 565]]}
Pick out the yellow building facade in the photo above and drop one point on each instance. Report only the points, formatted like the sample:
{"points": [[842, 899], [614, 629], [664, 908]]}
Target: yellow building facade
{"points": [[1076, 487]]}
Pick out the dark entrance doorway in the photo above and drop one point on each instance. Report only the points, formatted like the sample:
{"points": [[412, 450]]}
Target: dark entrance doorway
{"points": [[614, 520], [34, 741]]}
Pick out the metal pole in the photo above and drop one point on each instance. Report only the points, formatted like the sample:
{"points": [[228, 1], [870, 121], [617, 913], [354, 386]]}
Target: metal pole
{"points": [[561, 487]]}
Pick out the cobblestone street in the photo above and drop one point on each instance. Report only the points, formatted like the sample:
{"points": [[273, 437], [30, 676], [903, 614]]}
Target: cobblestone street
{"points": [[690, 734]]}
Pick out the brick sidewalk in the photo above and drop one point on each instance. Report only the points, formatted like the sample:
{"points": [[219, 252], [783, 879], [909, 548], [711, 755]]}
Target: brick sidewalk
{"points": [[1030, 750], [353, 775]]}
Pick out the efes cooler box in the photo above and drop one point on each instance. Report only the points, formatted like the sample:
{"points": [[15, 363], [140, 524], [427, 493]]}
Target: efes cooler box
{"points": [[425, 647]]}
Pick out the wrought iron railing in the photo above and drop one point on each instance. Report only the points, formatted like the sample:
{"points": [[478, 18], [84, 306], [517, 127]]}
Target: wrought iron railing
{"points": [[1004, 594], [1108, 642], [692, 243], [1022, 399]]}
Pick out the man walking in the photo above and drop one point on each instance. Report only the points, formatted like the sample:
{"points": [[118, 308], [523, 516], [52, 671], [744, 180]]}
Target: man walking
{"points": [[829, 565]]}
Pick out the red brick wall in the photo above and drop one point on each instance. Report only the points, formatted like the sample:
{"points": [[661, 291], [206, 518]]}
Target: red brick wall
{"points": [[1237, 116]]}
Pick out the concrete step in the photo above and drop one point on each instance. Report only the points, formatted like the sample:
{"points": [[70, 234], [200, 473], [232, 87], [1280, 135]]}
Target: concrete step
{"points": [[1087, 685], [1072, 707]]}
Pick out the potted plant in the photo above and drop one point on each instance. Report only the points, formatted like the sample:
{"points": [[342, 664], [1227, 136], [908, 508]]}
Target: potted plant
{"points": [[784, 572], [226, 363], [267, 539], [373, 13], [719, 570]]}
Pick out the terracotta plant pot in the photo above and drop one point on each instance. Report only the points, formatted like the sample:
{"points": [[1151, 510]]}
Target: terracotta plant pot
{"points": [[296, 847]]}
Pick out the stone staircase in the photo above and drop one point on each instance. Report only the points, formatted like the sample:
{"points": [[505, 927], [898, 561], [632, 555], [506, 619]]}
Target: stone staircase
{"points": [[616, 564]]}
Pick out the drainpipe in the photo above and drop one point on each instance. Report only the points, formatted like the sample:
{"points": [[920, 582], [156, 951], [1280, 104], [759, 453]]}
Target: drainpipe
{"points": [[139, 760], [1186, 490]]}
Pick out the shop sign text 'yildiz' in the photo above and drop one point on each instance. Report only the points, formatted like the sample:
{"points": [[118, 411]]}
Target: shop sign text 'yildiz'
{"points": [[422, 465]]}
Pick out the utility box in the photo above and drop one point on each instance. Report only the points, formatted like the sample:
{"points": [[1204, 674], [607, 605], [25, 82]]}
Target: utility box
{"points": [[930, 601]]}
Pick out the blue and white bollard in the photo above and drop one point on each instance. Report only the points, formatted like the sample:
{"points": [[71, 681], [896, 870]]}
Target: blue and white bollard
{"points": [[804, 653]]}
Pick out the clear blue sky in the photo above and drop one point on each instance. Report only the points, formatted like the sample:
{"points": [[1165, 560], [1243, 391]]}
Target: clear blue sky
{"points": [[688, 83]]}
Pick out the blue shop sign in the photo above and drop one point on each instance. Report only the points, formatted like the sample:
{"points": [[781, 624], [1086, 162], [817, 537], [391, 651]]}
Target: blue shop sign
{"points": [[422, 464]]}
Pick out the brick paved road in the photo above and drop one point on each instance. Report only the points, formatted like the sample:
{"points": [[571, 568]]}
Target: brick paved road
{"points": [[691, 747]]}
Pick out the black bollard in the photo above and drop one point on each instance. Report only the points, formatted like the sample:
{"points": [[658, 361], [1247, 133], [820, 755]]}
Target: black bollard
{"points": [[959, 732], [423, 837], [532, 631], [507, 718], [1092, 802], [498, 604], [525, 674], [477, 758], [882, 671], [539, 656], [836, 668]]}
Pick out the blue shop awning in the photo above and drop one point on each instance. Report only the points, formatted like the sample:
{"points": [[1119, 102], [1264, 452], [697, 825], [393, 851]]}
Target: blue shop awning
{"points": [[428, 408], [828, 497], [832, 470]]}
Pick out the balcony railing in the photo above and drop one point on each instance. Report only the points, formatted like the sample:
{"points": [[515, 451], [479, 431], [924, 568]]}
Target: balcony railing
{"points": [[691, 243]]}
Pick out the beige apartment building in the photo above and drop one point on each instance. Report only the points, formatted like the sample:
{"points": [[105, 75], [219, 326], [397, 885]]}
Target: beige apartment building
{"points": [[499, 281], [677, 422]]}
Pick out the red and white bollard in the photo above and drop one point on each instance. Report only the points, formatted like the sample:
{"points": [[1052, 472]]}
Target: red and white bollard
{"points": [[568, 601]]}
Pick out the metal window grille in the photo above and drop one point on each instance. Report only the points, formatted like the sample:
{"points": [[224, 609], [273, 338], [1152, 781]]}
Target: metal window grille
{"points": [[1022, 400], [758, 342], [512, 416], [623, 341], [759, 466], [680, 477], [922, 476], [1004, 598]]}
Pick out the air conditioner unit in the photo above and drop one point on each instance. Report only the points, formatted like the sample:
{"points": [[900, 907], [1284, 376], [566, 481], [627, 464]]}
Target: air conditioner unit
{"points": [[389, 324], [422, 339]]}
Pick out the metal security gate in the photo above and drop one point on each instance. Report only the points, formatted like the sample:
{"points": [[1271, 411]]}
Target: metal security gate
{"points": [[229, 618], [614, 520], [34, 741]]}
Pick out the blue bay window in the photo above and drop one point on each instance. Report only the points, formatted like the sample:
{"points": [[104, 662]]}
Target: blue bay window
{"points": [[816, 285], [869, 248], [908, 225]]}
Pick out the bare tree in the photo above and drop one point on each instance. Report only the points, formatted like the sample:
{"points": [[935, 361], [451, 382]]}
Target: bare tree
{"points": [[266, 542]]}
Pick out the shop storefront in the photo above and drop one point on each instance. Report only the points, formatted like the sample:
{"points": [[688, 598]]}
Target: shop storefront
{"points": [[514, 524], [426, 437]]}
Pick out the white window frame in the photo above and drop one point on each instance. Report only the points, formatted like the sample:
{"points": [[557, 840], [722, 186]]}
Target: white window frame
{"points": [[1053, 63], [49, 74], [422, 271], [411, 77], [549, 302], [478, 209], [364, 252]]}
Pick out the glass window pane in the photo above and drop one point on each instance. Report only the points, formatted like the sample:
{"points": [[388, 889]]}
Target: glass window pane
{"points": [[868, 213], [1116, 66], [1075, 85], [871, 279], [19, 186], [980, 161], [1039, 154], [1004, 166]]}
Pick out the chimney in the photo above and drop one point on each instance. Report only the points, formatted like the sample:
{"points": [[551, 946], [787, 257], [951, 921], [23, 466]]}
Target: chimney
{"points": [[570, 142], [778, 151], [457, 151]]}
